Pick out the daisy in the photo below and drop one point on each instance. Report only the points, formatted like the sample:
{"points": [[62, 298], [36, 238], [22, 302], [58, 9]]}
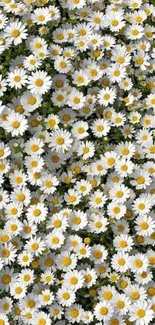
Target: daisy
{"points": [[4, 319], [17, 78], [73, 280], [39, 82], [142, 205], [123, 243], [126, 150], [86, 149], [138, 263], [49, 184], [66, 261], [37, 213], [31, 63], [114, 20], [122, 304], [107, 293], [74, 313], [62, 64], [124, 167], [24, 258], [56, 311], [76, 99], [16, 32], [136, 292], [97, 199], [34, 162], [55, 239], [35, 246], [13, 226], [119, 193], [80, 78], [78, 220], [116, 73], [106, 96], [34, 146], [98, 224], [144, 225], [60, 140], [41, 16], [16, 124], [18, 179], [66, 297], [13, 210], [134, 32], [6, 305], [116, 210], [26, 276], [4, 198], [52, 121], [47, 278], [41, 318], [79, 130], [99, 254], [103, 311], [141, 312], [18, 290], [100, 128], [46, 297], [120, 262]]}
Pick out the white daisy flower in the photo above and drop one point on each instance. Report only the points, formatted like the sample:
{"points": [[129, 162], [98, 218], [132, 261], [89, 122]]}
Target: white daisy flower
{"points": [[39, 82]]}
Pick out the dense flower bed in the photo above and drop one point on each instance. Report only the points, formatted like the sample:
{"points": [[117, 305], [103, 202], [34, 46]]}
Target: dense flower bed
{"points": [[77, 168]]}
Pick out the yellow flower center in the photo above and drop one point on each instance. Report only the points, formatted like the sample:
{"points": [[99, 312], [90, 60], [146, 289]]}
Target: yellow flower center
{"points": [[39, 82], [115, 22], [120, 304], [66, 295], [140, 313], [138, 263], [135, 295], [15, 33], [16, 124], [66, 261], [60, 140], [74, 313], [18, 290], [107, 295], [32, 100], [103, 311]]}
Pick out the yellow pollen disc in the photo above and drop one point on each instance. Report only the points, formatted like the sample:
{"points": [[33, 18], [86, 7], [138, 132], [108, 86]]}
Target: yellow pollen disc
{"points": [[140, 313], [74, 313], [103, 311], [39, 82], [66, 261], [18, 290], [123, 244], [73, 280], [32, 100], [15, 124], [15, 33], [17, 78], [120, 304], [138, 263], [135, 295], [121, 261], [60, 140], [114, 22], [144, 226], [97, 254], [140, 180], [107, 295]]}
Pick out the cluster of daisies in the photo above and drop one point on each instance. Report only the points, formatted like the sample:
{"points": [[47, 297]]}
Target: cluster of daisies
{"points": [[77, 162]]}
